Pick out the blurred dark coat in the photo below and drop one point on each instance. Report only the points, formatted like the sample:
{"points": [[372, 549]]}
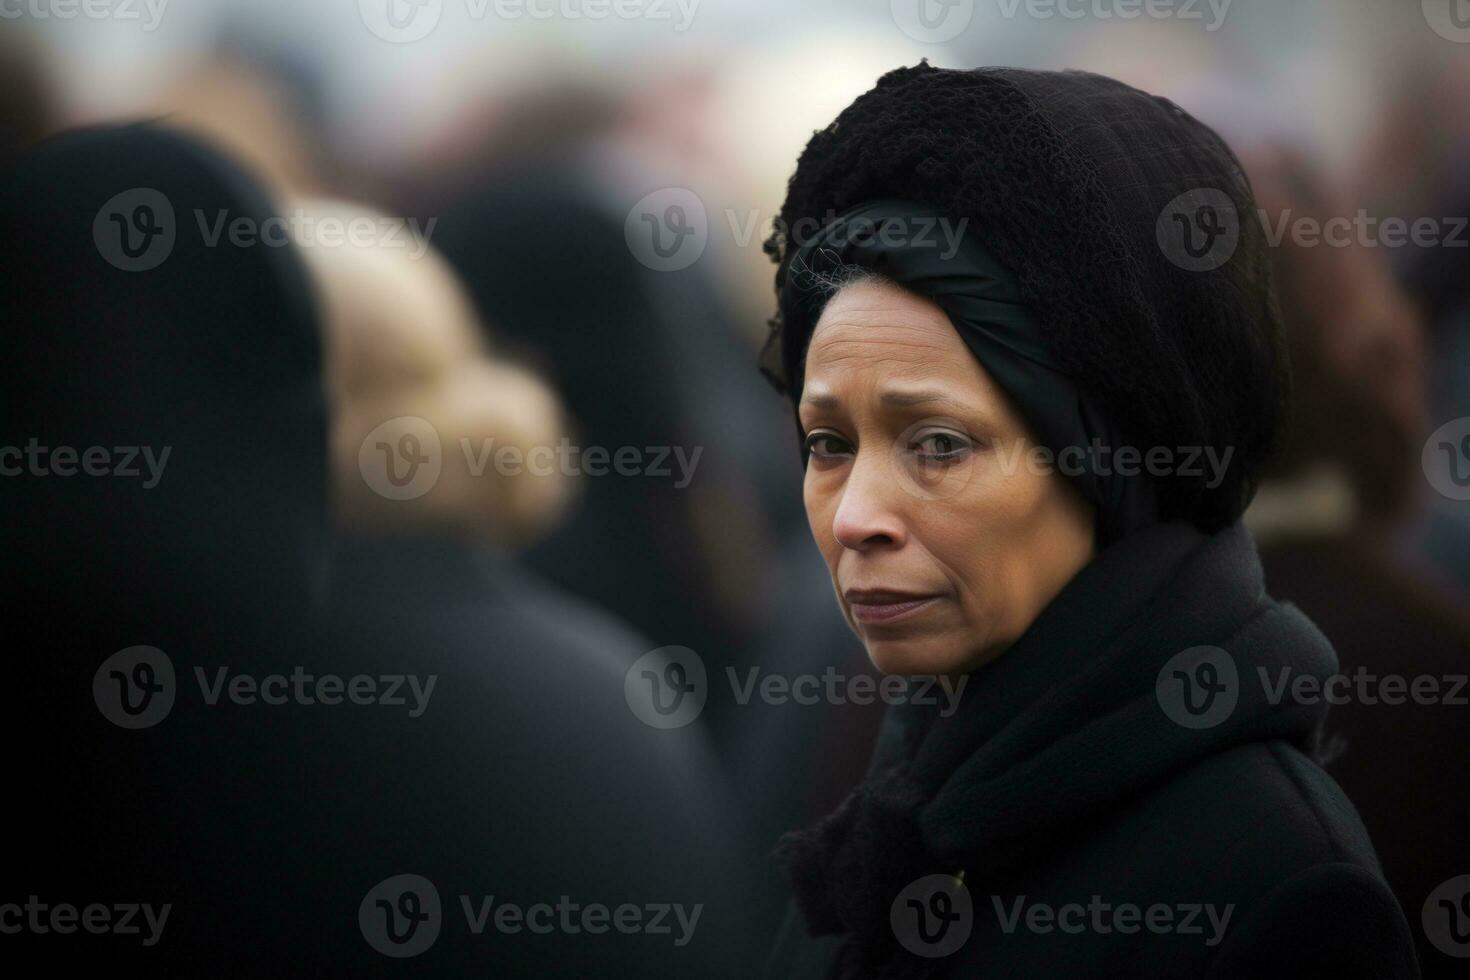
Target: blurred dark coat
{"points": [[266, 827]]}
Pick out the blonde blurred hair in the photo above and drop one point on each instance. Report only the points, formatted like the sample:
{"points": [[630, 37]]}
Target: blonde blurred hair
{"points": [[403, 341]]}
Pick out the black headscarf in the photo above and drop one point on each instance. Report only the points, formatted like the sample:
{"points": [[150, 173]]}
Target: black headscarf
{"points": [[932, 253], [1131, 232]]}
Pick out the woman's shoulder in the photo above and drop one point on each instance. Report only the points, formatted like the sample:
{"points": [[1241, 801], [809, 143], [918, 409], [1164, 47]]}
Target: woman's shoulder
{"points": [[1264, 829], [1264, 809]]}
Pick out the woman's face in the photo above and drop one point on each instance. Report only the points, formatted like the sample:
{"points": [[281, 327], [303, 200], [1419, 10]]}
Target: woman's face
{"points": [[943, 541]]}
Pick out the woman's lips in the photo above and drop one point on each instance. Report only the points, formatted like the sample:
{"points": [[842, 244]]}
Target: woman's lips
{"points": [[885, 607]]}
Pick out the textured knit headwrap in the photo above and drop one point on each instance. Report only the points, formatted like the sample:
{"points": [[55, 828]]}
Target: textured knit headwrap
{"points": [[924, 250], [1130, 230]]}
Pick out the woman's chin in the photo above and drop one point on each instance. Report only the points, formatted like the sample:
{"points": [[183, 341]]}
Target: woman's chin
{"points": [[915, 656]]}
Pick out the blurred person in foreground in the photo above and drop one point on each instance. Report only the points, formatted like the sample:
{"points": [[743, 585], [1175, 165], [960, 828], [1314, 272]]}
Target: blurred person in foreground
{"points": [[167, 534], [1112, 753], [486, 760], [1327, 518]]}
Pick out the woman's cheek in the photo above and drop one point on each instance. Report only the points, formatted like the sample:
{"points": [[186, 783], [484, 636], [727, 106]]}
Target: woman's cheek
{"points": [[820, 496]]}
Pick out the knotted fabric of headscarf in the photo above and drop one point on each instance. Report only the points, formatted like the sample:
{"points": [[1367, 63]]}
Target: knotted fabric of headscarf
{"points": [[923, 249]]}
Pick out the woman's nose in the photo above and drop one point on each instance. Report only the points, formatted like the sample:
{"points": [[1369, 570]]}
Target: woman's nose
{"points": [[867, 515]]}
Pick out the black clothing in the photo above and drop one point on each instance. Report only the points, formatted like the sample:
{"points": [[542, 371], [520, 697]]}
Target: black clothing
{"points": [[530, 778], [1129, 227], [265, 821], [1087, 761]]}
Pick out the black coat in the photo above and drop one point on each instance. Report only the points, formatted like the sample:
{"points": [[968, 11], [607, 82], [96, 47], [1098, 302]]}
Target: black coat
{"points": [[1085, 793], [266, 824], [529, 778]]}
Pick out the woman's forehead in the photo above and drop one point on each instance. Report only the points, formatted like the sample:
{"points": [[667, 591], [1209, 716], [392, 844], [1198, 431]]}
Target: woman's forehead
{"points": [[881, 321]]}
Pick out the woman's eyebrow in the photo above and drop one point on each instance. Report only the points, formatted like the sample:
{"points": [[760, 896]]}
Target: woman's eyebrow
{"points": [[895, 397], [821, 399], [907, 397]]}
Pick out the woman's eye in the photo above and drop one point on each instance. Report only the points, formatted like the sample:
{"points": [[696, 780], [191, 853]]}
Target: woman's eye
{"points": [[941, 446], [825, 445]]}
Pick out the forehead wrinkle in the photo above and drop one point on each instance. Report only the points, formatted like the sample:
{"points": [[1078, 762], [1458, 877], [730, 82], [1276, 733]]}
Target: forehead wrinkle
{"points": [[884, 326], [921, 356], [908, 342]]}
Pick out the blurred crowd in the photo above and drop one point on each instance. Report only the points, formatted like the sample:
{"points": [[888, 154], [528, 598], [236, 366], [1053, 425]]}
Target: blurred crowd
{"points": [[504, 309]]}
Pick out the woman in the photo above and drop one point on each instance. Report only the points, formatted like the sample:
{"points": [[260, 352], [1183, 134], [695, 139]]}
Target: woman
{"points": [[1026, 323]]}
